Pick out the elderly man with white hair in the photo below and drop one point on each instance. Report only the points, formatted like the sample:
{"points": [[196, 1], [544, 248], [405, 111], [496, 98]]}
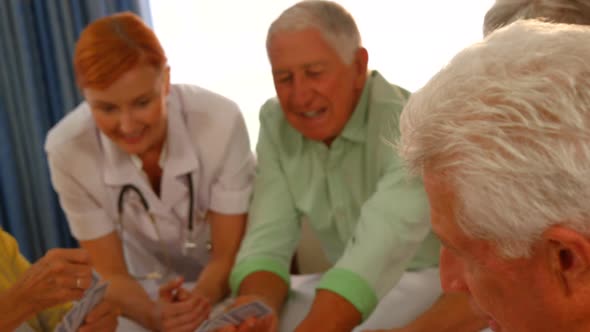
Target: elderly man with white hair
{"points": [[322, 156], [501, 137], [504, 12]]}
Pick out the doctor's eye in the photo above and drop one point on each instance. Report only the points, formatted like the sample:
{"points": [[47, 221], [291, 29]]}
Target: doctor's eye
{"points": [[107, 108], [143, 102]]}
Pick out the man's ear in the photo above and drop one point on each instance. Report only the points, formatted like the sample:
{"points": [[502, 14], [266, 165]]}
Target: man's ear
{"points": [[568, 254], [361, 62]]}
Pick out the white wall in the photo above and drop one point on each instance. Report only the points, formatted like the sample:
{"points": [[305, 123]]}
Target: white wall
{"points": [[220, 44]]}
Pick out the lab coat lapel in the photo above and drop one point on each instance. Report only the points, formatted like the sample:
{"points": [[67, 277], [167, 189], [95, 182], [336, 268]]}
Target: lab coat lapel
{"points": [[119, 171], [181, 160]]}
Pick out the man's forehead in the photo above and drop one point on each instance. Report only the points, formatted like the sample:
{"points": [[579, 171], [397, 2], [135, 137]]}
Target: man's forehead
{"points": [[314, 64], [443, 204], [305, 46]]}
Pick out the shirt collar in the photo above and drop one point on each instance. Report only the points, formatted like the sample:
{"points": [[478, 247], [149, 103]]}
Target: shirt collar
{"points": [[181, 155], [354, 129], [139, 164]]}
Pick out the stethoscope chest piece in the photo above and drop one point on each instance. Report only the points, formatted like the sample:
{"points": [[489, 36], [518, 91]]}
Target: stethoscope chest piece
{"points": [[190, 244]]}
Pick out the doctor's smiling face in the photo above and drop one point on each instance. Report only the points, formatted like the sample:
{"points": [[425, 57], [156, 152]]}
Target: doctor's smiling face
{"points": [[132, 110]]}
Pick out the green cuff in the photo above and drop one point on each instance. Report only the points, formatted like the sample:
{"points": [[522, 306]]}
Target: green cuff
{"points": [[249, 266], [352, 287]]}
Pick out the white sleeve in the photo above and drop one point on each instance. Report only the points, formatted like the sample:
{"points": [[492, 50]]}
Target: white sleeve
{"points": [[232, 188], [86, 216]]}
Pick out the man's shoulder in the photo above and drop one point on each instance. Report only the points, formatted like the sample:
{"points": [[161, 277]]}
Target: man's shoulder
{"points": [[276, 130], [271, 111], [387, 96], [272, 119], [77, 123]]}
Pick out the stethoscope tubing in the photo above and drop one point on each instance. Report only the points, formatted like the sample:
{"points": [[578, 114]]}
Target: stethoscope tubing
{"points": [[144, 203], [120, 206]]}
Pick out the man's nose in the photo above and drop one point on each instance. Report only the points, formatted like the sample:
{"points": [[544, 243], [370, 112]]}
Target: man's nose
{"points": [[301, 95], [452, 274]]}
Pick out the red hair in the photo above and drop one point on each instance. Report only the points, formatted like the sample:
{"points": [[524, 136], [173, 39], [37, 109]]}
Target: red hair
{"points": [[112, 45]]}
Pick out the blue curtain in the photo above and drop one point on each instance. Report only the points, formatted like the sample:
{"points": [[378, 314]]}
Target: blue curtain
{"points": [[37, 88]]}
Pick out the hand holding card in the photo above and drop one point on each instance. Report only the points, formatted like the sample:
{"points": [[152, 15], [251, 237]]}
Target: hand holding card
{"points": [[236, 316], [92, 297]]}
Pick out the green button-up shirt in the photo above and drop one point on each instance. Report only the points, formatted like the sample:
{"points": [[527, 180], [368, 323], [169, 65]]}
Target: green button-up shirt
{"points": [[371, 219]]}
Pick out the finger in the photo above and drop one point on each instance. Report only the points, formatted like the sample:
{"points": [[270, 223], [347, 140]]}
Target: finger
{"points": [[196, 310], [106, 323], [59, 266], [167, 290], [273, 322], [243, 300], [190, 327], [189, 321], [170, 310], [65, 274], [75, 282], [267, 323], [104, 308], [74, 256], [250, 324], [63, 295], [228, 328], [183, 294]]}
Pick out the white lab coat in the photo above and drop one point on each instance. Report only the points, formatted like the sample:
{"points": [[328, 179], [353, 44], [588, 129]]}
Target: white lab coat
{"points": [[206, 136]]}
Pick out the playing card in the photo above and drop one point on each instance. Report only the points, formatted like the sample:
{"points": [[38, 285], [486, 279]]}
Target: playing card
{"points": [[75, 317], [255, 309], [95, 279], [94, 296], [235, 316]]}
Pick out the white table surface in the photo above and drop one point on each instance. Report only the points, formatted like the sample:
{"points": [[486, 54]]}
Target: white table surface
{"points": [[415, 292]]}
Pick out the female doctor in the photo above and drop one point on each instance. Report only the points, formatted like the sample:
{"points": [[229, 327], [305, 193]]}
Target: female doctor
{"points": [[154, 178]]}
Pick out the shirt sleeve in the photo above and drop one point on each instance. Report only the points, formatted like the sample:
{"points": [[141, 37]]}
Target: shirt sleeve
{"points": [[273, 227], [392, 225], [232, 189], [85, 215]]}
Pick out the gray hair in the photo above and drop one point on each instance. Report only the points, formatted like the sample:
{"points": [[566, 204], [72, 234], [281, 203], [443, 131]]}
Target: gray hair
{"points": [[510, 131], [334, 22], [504, 12]]}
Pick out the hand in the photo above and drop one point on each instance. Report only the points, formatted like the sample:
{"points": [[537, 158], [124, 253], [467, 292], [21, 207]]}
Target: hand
{"points": [[181, 310], [268, 323], [102, 318], [61, 276]]}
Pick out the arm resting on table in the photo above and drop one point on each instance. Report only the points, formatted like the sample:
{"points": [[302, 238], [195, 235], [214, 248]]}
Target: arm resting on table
{"points": [[227, 231], [266, 286], [330, 313], [125, 292]]}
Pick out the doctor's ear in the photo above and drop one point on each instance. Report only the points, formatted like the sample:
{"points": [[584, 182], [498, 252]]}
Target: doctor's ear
{"points": [[166, 79], [568, 257]]}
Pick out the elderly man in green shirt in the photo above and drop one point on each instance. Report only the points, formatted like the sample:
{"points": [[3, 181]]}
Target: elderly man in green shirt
{"points": [[323, 154]]}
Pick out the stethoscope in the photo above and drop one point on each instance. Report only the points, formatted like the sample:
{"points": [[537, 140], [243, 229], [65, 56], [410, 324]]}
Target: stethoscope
{"points": [[190, 242]]}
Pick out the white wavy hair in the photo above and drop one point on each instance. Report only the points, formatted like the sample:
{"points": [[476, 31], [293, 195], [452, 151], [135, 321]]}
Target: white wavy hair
{"points": [[504, 12], [334, 22], [508, 123]]}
